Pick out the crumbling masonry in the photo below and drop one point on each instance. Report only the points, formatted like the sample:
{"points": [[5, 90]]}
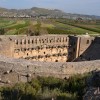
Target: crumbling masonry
{"points": [[49, 48], [47, 56]]}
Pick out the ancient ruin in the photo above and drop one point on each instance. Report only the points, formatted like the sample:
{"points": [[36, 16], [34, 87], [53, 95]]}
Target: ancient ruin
{"points": [[49, 48], [25, 57], [36, 48]]}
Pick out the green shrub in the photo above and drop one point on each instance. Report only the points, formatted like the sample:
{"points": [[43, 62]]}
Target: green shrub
{"points": [[46, 88], [66, 96]]}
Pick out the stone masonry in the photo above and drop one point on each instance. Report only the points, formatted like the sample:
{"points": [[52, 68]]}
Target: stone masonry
{"points": [[25, 57], [49, 48], [20, 70], [37, 48]]}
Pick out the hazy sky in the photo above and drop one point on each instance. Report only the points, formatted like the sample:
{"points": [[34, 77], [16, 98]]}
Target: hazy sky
{"points": [[91, 7]]}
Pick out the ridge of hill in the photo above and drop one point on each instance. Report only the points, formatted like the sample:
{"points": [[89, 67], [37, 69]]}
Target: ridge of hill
{"points": [[42, 12]]}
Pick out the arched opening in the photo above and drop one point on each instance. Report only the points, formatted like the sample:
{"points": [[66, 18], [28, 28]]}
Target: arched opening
{"points": [[56, 60], [87, 42]]}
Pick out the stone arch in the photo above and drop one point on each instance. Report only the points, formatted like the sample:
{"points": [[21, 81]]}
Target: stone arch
{"points": [[23, 41], [56, 60], [16, 41], [20, 41]]}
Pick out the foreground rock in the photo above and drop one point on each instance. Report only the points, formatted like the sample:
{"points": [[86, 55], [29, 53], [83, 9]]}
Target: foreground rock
{"points": [[93, 92]]}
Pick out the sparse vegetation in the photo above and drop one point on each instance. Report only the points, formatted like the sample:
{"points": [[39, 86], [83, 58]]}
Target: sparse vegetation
{"points": [[46, 88], [2, 31]]}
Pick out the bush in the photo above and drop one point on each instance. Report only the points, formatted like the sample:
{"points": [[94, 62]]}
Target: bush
{"points": [[2, 31], [66, 96], [46, 88]]}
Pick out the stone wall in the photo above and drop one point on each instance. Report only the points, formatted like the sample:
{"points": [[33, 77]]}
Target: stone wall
{"points": [[6, 46], [50, 48], [19, 70], [79, 44], [89, 51]]}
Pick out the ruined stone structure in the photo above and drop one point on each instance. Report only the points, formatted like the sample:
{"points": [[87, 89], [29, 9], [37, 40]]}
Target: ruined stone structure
{"points": [[49, 48], [36, 48], [20, 70], [79, 45], [47, 56]]}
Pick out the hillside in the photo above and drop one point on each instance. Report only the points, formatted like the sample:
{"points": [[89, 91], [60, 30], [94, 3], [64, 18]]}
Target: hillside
{"points": [[42, 12]]}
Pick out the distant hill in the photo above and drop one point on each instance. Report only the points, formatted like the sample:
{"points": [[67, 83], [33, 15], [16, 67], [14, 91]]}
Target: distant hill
{"points": [[42, 12]]}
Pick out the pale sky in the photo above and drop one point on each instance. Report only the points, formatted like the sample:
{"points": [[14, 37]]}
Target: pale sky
{"points": [[90, 7]]}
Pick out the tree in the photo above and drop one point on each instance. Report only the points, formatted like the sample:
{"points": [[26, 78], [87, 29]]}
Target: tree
{"points": [[2, 31]]}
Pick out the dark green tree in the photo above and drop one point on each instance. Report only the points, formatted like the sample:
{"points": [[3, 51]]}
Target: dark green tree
{"points": [[2, 31]]}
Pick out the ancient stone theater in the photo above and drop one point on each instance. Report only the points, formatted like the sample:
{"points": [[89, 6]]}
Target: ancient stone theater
{"points": [[48, 48], [25, 57]]}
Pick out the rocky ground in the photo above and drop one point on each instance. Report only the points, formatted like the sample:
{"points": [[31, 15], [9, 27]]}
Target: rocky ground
{"points": [[93, 91]]}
